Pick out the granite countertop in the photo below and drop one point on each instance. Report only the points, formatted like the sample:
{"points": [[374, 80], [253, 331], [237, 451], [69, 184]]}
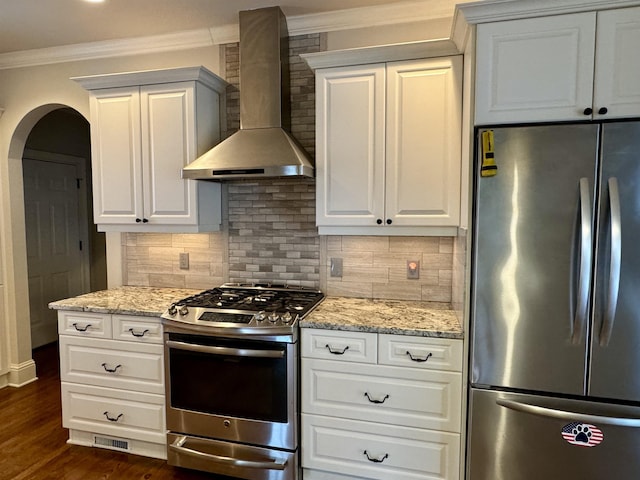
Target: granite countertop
{"points": [[142, 301], [427, 319]]}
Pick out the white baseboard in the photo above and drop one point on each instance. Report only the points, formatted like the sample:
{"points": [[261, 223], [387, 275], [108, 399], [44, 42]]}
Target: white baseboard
{"points": [[22, 374]]}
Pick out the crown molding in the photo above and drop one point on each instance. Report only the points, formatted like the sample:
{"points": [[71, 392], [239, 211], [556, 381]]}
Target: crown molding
{"points": [[108, 48], [392, 14], [484, 11], [151, 77], [383, 53]]}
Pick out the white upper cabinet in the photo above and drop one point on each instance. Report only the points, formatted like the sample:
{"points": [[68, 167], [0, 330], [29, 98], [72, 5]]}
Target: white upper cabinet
{"points": [[142, 134], [388, 147], [617, 74], [350, 125], [542, 69]]}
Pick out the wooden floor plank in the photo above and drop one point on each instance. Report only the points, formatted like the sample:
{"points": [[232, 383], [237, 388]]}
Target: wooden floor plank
{"points": [[33, 443]]}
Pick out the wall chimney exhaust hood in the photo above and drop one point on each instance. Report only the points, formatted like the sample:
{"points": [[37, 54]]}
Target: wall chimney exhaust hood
{"points": [[263, 147]]}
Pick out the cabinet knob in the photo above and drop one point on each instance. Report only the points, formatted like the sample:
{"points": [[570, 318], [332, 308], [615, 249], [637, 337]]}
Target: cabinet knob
{"points": [[603, 110], [138, 220], [588, 111], [388, 221], [379, 221], [144, 220]]}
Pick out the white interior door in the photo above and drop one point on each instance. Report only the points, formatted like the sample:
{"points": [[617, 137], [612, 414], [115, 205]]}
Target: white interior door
{"points": [[55, 258]]}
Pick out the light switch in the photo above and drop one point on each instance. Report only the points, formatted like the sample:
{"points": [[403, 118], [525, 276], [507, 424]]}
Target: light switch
{"points": [[184, 261]]}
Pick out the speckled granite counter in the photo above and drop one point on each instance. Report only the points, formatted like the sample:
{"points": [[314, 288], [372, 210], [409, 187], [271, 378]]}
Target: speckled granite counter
{"points": [[427, 319], [143, 301]]}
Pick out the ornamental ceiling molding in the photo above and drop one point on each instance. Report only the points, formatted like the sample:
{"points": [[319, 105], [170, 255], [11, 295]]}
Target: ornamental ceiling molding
{"points": [[397, 13]]}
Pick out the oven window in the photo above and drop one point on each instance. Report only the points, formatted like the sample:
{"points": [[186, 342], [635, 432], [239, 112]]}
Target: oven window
{"points": [[235, 381]]}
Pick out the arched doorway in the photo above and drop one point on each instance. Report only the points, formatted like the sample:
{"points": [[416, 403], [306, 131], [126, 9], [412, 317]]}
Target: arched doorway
{"points": [[13, 242], [65, 253]]}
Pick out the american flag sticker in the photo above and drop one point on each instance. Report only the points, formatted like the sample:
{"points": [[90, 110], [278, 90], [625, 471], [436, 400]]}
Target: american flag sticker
{"points": [[582, 434]]}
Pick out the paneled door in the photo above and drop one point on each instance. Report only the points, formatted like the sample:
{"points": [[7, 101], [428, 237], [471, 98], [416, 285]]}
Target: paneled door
{"points": [[54, 255]]}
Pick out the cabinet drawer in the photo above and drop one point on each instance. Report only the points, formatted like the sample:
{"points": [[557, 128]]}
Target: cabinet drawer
{"points": [[391, 395], [137, 329], [111, 363], [339, 345], [83, 324], [420, 352], [374, 451], [133, 415]]}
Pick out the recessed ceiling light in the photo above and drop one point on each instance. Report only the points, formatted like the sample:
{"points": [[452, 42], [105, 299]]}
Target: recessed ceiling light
{"points": [[94, 1]]}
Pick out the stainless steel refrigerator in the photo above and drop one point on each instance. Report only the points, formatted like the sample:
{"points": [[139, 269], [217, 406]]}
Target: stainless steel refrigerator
{"points": [[555, 318]]}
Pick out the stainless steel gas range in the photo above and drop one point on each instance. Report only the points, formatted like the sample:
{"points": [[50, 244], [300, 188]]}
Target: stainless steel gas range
{"points": [[231, 369]]}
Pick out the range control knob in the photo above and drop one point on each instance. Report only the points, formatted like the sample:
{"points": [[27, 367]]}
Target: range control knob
{"points": [[172, 310], [274, 317], [183, 310], [287, 317], [260, 316]]}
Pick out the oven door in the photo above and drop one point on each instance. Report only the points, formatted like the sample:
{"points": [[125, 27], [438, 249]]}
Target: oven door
{"points": [[230, 389]]}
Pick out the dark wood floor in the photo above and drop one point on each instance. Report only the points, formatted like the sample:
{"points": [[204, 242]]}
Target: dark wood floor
{"points": [[33, 443]]}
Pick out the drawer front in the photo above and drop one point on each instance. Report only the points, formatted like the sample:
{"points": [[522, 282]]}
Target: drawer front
{"points": [[110, 363], [420, 352], [137, 329], [374, 451], [339, 345], [114, 412], [83, 324], [390, 395]]}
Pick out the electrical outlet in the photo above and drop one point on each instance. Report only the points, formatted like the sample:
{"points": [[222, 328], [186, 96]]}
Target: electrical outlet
{"points": [[336, 267], [413, 269], [184, 261]]}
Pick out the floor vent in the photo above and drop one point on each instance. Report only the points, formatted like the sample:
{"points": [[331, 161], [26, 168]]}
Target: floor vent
{"points": [[115, 443]]}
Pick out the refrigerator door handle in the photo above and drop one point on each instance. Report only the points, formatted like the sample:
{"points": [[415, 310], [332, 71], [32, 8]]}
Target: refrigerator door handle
{"points": [[566, 415], [614, 264], [586, 236]]}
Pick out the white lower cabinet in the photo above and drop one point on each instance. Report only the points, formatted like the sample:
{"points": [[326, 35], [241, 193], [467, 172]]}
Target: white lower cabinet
{"points": [[112, 382], [394, 413]]}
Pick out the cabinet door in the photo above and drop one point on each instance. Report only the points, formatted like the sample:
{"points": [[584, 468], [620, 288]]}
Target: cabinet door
{"points": [[423, 142], [617, 87], [116, 155], [168, 144], [350, 127], [538, 69]]}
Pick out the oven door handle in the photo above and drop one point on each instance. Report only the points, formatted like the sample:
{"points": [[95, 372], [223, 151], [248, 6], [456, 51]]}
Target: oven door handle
{"points": [[236, 352], [178, 446]]}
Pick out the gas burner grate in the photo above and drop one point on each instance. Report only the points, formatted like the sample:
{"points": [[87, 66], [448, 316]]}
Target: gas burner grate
{"points": [[255, 298]]}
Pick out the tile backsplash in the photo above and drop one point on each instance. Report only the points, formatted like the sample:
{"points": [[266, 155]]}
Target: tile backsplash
{"points": [[272, 232], [376, 267], [152, 259]]}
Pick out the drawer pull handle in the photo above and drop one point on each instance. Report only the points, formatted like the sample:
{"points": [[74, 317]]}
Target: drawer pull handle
{"points": [[376, 460], [110, 370], [336, 351], [112, 419], [81, 329], [418, 359], [373, 400], [136, 334]]}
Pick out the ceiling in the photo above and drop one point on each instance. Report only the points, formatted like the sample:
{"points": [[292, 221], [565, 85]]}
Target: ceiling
{"points": [[36, 24]]}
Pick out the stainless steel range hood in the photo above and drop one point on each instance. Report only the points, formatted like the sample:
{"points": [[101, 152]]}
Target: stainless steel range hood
{"points": [[262, 147]]}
